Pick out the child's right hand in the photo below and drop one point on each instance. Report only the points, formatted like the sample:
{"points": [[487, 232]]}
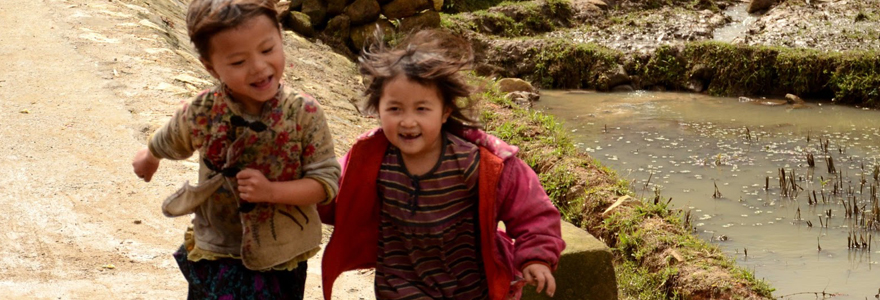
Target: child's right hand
{"points": [[541, 276], [145, 164]]}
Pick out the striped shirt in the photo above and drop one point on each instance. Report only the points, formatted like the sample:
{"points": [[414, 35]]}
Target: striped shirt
{"points": [[428, 229]]}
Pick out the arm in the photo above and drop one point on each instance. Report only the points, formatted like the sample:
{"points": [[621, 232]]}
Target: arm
{"points": [[532, 221], [320, 168], [171, 141]]}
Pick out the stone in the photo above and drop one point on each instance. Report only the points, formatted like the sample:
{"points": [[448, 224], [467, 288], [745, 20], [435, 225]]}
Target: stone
{"points": [[360, 34], [404, 8], [438, 5], [760, 5], [522, 99], [794, 99], [585, 270], [623, 88], [620, 77], [508, 85], [363, 11], [339, 28], [316, 11], [301, 23], [427, 19], [335, 7]]}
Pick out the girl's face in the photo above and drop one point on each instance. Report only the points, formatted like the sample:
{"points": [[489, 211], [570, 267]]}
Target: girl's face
{"points": [[412, 116], [249, 59]]}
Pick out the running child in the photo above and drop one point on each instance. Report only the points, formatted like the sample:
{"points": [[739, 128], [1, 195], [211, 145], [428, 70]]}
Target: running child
{"points": [[266, 159], [421, 197]]}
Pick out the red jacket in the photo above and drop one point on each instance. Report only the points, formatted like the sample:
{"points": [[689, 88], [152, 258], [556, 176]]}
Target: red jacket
{"points": [[509, 191]]}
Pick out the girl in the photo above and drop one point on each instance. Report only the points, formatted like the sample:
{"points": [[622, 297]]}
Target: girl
{"points": [[421, 197], [266, 157]]}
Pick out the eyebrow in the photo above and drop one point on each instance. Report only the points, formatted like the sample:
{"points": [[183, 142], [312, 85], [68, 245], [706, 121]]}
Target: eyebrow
{"points": [[259, 45]]}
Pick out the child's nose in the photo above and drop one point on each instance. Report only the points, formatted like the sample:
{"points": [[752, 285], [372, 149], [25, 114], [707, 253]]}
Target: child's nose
{"points": [[408, 121]]}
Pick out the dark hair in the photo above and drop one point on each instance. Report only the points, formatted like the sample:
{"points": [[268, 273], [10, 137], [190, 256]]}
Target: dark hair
{"points": [[428, 57], [205, 18]]}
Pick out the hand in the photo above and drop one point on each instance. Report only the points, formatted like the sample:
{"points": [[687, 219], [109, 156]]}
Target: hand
{"points": [[254, 187], [540, 275], [145, 164]]}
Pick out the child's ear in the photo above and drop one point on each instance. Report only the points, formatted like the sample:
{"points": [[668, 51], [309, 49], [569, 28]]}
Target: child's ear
{"points": [[209, 67], [446, 112]]}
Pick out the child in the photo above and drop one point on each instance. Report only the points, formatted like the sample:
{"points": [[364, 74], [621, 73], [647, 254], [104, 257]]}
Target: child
{"points": [[420, 198], [266, 158]]}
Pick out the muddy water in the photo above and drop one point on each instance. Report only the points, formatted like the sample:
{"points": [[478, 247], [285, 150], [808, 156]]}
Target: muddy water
{"points": [[686, 144]]}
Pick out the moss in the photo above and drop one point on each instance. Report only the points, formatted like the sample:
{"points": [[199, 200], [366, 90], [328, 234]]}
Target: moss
{"points": [[514, 19], [562, 64]]}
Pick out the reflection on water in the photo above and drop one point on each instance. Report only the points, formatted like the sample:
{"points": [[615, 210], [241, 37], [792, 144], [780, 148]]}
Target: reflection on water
{"points": [[686, 144]]}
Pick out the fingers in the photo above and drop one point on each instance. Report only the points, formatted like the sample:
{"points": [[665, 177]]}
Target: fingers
{"points": [[551, 285], [541, 280]]}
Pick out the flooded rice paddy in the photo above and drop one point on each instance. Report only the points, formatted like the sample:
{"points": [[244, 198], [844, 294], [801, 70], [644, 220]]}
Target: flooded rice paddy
{"points": [[805, 229]]}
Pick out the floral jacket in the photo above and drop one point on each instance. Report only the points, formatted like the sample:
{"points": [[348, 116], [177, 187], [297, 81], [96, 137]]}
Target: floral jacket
{"points": [[289, 140], [509, 192]]}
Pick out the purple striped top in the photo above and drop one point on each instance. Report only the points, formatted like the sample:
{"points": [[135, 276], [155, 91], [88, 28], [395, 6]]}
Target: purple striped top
{"points": [[428, 230]]}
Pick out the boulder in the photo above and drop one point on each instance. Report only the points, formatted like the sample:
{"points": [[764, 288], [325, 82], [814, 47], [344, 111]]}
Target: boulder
{"points": [[360, 34], [338, 28], [363, 11], [619, 77], [427, 19], [335, 7], [760, 5], [794, 99], [438, 5], [585, 270], [301, 23], [404, 8], [508, 85], [316, 11]]}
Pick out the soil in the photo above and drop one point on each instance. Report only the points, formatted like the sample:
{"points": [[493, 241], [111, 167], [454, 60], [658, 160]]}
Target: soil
{"points": [[83, 85]]}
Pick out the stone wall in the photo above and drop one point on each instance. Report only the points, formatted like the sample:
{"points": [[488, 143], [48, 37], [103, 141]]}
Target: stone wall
{"points": [[350, 22]]}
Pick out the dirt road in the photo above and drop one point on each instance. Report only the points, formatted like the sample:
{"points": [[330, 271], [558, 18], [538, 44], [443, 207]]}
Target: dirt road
{"points": [[82, 85]]}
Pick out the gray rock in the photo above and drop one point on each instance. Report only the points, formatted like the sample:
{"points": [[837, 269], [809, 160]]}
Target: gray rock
{"points": [[427, 19], [360, 34], [316, 11], [301, 23], [623, 88], [363, 11], [339, 28], [760, 5], [404, 8], [509, 85], [335, 7]]}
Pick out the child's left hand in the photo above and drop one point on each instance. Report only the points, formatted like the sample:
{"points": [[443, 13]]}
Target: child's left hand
{"points": [[254, 187], [540, 275]]}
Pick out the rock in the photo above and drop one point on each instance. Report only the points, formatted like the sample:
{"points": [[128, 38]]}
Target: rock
{"points": [[339, 28], [794, 99], [363, 11], [438, 5], [695, 85], [508, 85], [746, 99], [301, 23], [359, 34], [522, 98], [427, 19], [335, 7], [404, 8], [623, 88], [760, 5], [316, 11], [295, 4], [702, 71], [620, 77]]}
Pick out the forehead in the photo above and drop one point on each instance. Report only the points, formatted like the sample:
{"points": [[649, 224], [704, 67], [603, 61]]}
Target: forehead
{"points": [[403, 90], [247, 35]]}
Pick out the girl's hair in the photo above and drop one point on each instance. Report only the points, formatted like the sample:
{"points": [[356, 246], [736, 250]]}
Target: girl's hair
{"points": [[206, 18], [428, 57]]}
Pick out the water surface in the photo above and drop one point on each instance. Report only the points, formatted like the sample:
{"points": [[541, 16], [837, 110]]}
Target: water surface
{"points": [[686, 144]]}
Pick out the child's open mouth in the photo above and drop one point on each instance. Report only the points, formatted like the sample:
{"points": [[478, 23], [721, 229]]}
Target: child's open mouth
{"points": [[410, 136], [262, 84]]}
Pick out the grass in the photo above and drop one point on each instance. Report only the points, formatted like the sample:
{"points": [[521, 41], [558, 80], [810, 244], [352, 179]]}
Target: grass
{"points": [[639, 234]]}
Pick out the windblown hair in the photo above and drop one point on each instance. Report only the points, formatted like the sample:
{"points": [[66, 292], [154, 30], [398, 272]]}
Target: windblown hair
{"points": [[429, 57], [205, 18]]}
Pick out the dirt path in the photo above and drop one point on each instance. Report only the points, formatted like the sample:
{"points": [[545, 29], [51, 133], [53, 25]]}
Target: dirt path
{"points": [[83, 83]]}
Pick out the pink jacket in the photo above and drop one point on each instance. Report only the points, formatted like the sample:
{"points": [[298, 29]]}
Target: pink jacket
{"points": [[509, 192]]}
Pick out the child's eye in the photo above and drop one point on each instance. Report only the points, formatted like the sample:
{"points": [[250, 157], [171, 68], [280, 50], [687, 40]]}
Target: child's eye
{"points": [[237, 63], [267, 51]]}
